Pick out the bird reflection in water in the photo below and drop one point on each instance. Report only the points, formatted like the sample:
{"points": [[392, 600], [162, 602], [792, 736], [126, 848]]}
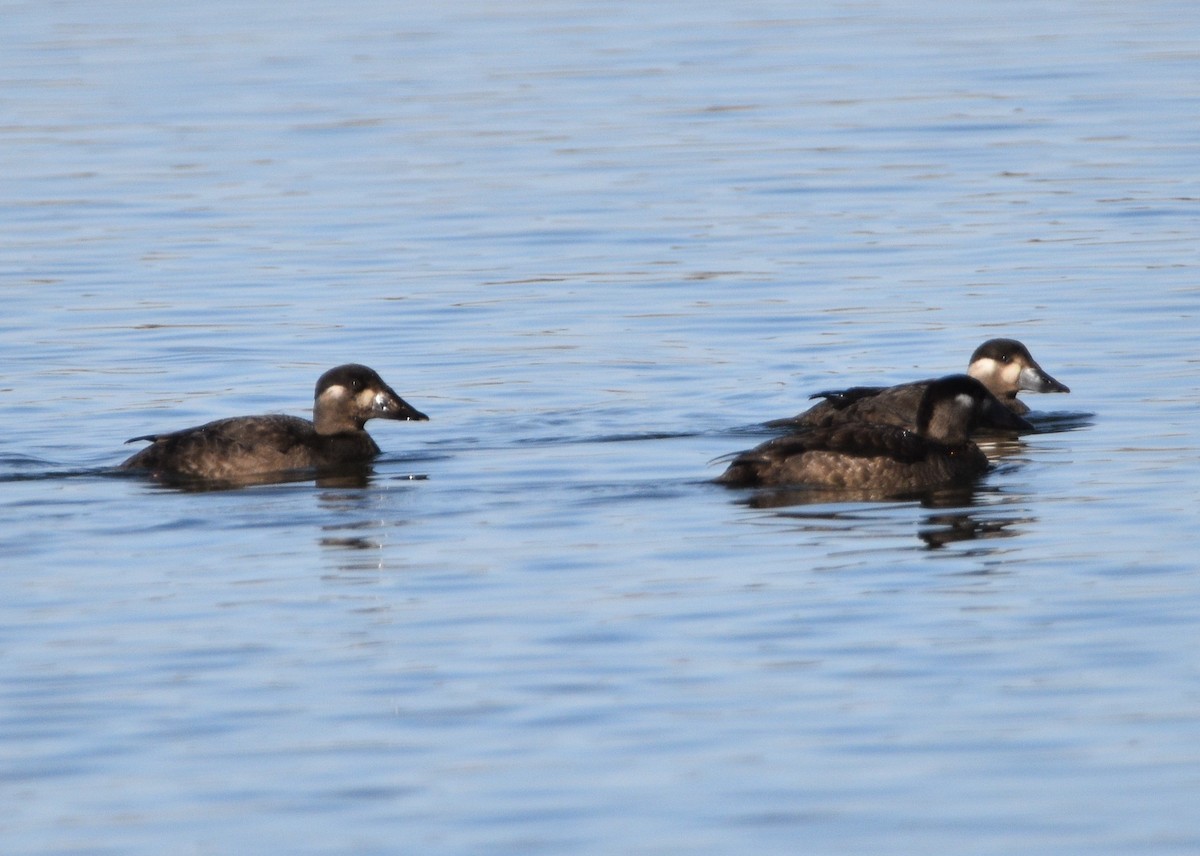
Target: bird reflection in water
{"points": [[360, 526], [938, 530], [963, 513]]}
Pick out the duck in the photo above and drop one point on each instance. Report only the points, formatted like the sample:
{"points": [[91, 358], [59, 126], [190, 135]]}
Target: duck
{"points": [[248, 447], [1004, 366], [856, 454]]}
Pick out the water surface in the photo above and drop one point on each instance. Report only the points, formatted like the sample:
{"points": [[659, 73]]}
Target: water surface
{"points": [[599, 246]]}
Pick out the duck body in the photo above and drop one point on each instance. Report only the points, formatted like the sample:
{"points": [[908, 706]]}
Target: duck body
{"points": [[249, 446], [856, 454], [227, 449], [1004, 366]]}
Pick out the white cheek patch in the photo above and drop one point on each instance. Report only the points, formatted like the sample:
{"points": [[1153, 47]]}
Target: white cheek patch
{"points": [[335, 391], [986, 367], [371, 400]]}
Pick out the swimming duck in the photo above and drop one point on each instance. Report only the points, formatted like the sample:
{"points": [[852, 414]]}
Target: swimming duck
{"points": [[246, 446], [887, 459], [1004, 366]]}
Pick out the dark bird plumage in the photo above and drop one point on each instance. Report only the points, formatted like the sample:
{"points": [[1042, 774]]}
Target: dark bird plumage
{"points": [[1004, 366], [886, 459], [248, 446]]}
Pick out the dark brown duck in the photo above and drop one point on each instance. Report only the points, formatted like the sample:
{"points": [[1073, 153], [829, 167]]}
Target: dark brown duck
{"points": [[885, 459], [1004, 366], [246, 446]]}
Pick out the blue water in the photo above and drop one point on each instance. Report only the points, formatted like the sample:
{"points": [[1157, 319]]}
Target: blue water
{"points": [[599, 245]]}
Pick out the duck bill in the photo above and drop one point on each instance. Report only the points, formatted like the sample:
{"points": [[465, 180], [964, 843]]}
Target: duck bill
{"points": [[388, 405], [993, 414], [1033, 379]]}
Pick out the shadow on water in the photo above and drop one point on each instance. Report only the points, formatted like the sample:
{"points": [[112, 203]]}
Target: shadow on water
{"points": [[787, 497], [52, 475], [951, 515], [354, 535], [355, 477], [938, 530], [343, 478], [21, 468], [1060, 421], [355, 530]]}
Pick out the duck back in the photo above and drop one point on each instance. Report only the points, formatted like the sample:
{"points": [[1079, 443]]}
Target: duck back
{"points": [[883, 405]]}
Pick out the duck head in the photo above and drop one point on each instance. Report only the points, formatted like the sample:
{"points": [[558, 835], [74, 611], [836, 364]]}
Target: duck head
{"points": [[347, 396], [1006, 367], [954, 406]]}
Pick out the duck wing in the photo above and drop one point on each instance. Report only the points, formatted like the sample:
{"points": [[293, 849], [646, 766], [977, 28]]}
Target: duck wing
{"points": [[884, 405]]}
